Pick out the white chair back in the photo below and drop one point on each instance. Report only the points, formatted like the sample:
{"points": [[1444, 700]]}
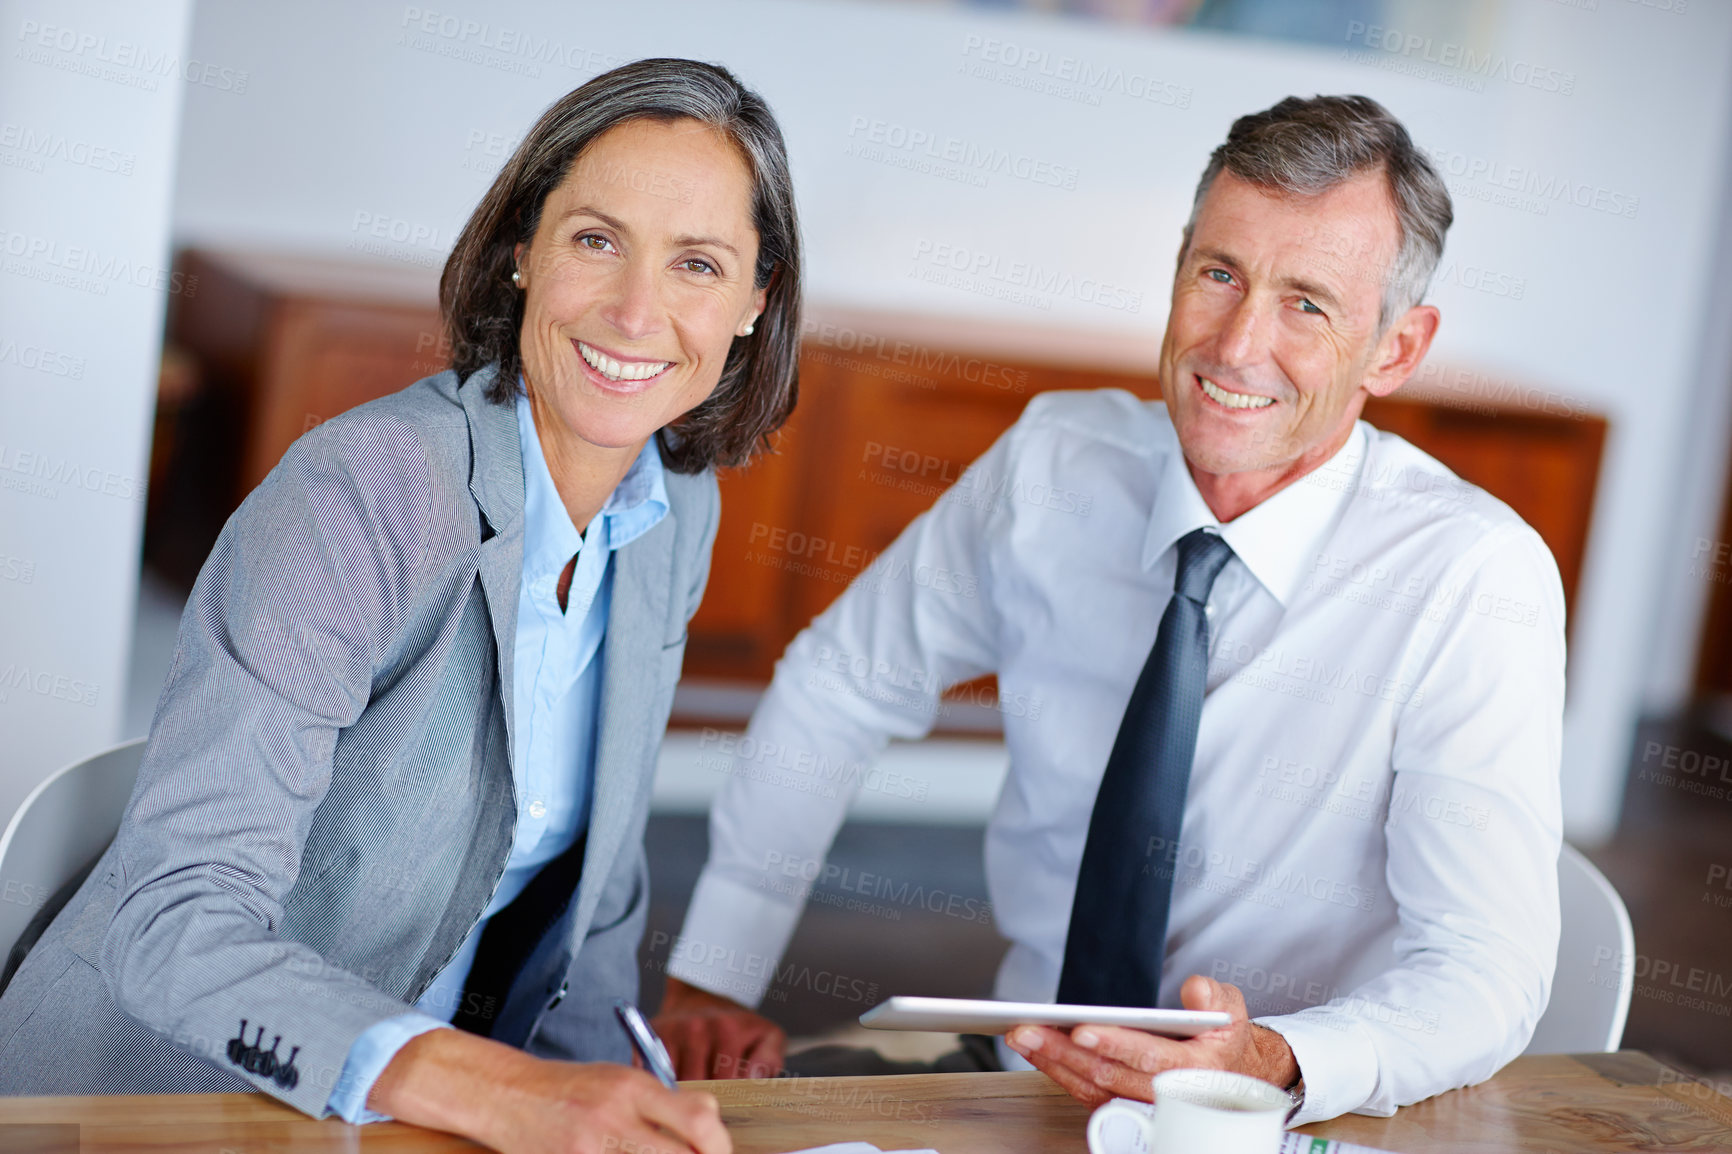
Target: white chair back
{"points": [[62, 827], [1596, 972]]}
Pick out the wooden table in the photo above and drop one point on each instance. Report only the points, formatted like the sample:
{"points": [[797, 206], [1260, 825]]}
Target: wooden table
{"points": [[1579, 1105]]}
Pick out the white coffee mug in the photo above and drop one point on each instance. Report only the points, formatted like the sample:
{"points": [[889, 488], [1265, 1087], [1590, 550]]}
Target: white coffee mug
{"points": [[1194, 1110]]}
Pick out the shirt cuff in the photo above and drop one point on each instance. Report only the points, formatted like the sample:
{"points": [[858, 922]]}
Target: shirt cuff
{"points": [[1336, 1059], [368, 1056], [733, 937]]}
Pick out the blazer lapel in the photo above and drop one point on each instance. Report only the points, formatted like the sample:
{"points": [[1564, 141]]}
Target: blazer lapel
{"points": [[630, 672], [496, 482]]}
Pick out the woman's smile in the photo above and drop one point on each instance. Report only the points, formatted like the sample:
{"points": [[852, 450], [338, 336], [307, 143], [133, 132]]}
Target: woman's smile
{"points": [[619, 374]]}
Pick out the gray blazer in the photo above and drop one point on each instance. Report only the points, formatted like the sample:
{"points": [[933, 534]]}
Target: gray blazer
{"points": [[326, 803]]}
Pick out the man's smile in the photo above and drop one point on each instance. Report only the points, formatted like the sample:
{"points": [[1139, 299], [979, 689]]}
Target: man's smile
{"points": [[1228, 399]]}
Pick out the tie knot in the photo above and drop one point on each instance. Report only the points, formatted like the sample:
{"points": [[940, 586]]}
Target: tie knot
{"points": [[1202, 556]]}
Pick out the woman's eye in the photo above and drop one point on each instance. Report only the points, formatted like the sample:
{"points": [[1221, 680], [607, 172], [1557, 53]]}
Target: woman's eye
{"points": [[694, 264], [593, 242]]}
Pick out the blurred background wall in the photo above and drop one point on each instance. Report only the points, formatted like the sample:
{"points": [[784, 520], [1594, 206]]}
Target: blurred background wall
{"points": [[1588, 164], [90, 106]]}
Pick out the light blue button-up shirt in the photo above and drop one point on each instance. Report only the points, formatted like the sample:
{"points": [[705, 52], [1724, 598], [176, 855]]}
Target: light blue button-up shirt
{"points": [[556, 698]]}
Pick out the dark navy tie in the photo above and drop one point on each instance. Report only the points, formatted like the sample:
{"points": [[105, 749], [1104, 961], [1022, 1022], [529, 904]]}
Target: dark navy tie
{"points": [[1118, 920]]}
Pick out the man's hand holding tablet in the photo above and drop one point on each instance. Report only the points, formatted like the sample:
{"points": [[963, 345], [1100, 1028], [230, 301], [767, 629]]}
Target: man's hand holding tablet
{"points": [[1098, 1062], [987, 1016]]}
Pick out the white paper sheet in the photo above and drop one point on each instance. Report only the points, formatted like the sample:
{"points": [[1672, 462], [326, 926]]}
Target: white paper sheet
{"points": [[857, 1148]]}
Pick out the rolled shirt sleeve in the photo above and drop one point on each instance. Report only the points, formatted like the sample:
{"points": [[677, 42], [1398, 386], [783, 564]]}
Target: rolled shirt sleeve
{"points": [[1473, 830], [368, 1057]]}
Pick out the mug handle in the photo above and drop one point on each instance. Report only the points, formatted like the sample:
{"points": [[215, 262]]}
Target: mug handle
{"points": [[1120, 1126]]}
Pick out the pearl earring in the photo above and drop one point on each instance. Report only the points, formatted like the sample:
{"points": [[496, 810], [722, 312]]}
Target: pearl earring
{"points": [[747, 331], [517, 277]]}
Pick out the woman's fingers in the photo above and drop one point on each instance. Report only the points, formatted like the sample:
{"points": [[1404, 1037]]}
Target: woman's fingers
{"points": [[691, 1115]]}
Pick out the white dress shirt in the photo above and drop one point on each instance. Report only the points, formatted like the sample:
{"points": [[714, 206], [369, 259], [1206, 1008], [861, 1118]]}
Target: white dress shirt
{"points": [[1369, 845], [556, 699]]}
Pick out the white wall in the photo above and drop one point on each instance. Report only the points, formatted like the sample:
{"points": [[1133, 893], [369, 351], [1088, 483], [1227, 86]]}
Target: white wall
{"points": [[385, 112], [90, 102]]}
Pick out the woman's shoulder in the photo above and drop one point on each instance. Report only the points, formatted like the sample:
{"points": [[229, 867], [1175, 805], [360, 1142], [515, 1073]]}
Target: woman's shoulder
{"points": [[385, 485], [428, 409], [402, 461], [690, 493], [411, 431], [695, 501]]}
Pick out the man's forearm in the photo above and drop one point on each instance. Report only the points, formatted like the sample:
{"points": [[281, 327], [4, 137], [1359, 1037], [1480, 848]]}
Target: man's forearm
{"points": [[681, 997]]}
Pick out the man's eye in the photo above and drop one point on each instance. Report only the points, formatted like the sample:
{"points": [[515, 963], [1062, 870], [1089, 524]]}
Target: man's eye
{"points": [[1307, 306], [1220, 276]]}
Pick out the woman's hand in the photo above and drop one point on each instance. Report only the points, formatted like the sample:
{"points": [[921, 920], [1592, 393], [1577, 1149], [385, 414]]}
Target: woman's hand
{"points": [[518, 1104], [710, 1036]]}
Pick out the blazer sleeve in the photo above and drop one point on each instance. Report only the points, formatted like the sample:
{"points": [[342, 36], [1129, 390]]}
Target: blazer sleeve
{"points": [[276, 655]]}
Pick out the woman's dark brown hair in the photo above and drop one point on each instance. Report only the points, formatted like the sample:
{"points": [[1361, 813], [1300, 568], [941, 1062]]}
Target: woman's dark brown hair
{"points": [[483, 310]]}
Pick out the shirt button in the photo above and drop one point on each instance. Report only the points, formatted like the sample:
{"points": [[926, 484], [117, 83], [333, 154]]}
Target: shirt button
{"points": [[537, 809]]}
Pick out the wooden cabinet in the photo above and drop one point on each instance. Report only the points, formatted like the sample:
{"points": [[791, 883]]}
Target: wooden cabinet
{"points": [[292, 341], [1711, 561], [1545, 466], [869, 449], [872, 445], [882, 428]]}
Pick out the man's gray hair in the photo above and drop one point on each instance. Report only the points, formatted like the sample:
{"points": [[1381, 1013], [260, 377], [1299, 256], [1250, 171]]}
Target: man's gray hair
{"points": [[1306, 147]]}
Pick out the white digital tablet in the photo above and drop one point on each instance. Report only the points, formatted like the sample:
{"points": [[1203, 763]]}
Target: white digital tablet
{"points": [[985, 1016]]}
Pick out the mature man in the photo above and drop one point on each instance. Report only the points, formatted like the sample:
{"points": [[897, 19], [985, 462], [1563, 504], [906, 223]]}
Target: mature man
{"points": [[1301, 688]]}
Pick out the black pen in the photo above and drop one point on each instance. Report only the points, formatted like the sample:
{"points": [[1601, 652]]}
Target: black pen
{"points": [[644, 1040]]}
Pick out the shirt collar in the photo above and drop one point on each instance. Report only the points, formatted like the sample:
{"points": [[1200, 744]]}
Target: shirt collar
{"points": [[1277, 539], [636, 505]]}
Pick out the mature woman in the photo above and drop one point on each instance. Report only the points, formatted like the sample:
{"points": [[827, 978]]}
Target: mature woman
{"points": [[399, 773]]}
